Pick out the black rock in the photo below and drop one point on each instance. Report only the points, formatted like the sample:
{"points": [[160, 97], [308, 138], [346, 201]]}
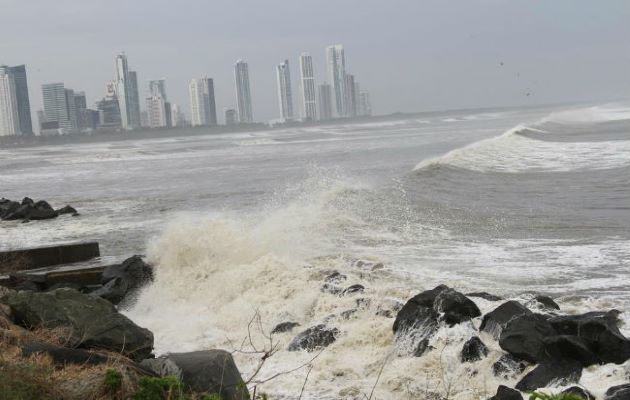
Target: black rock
{"points": [[473, 350], [27, 201], [284, 327], [524, 337], [421, 347], [508, 366], [314, 338], [565, 346], [506, 393], [353, 289], [330, 288], [348, 313], [335, 277], [454, 307], [599, 331], [620, 392], [485, 296], [62, 355], [207, 371], [579, 392], [123, 280], [68, 210], [495, 320], [560, 372], [547, 302]]}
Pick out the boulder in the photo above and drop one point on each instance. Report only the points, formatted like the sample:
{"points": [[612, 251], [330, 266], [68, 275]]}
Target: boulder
{"points": [[331, 288], [68, 210], [421, 347], [473, 350], [508, 366], [335, 277], [495, 320], [598, 331], [353, 289], [314, 338], [524, 337], [284, 327], [565, 346], [454, 307], [621, 392], [485, 296], [120, 281], [547, 302], [557, 372], [578, 392], [63, 355], [89, 322], [506, 393], [207, 371]]}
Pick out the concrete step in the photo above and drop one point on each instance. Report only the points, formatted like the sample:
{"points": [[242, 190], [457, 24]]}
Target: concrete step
{"points": [[38, 257]]}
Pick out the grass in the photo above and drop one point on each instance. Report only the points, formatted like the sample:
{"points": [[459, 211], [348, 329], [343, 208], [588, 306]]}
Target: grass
{"points": [[559, 396], [25, 381]]}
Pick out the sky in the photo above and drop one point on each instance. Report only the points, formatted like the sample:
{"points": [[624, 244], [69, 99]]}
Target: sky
{"points": [[411, 55]]}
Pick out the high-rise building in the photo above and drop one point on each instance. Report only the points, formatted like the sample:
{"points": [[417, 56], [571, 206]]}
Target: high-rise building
{"points": [[203, 108], [59, 107], [127, 94], [156, 109], [108, 108], [230, 116], [325, 102], [157, 87], [9, 117], [285, 98], [177, 116], [243, 94], [351, 96], [80, 107], [336, 62], [21, 96], [309, 96], [134, 99], [365, 105]]}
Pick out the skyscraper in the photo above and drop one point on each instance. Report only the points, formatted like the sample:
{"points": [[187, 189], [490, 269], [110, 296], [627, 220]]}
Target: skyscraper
{"points": [[309, 105], [21, 95], [127, 93], [365, 105], [351, 96], [325, 102], [243, 94], [336, 62], [285, 98], [156, 110], [202, 104], [157, 87], [230, 116], [9, 118], [109, 109], [59, 106]]}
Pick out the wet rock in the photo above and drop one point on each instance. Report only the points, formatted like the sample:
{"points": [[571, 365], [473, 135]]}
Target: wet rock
{"points": [[89, 322], [508, 366], [314, 338], [29, 210], [207, 371], [485, 296], [524, 337], [547, 302], [348, 313], [421, 347], [363, 303], [335, 277], [330, 288], [560, 372], [620, 392], [454, 307], [506, 393], [473, 350], [284, 327], [565, 346], [418, 313], [68, 210], [599, 332], [579, 393], [120, 281], [353, 289], [495, 320], [62, 355]]}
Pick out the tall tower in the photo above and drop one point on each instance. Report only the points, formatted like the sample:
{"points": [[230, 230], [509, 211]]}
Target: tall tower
{"points": [[243, 94], [59, 106], [157, 87], [309, 102], [336, 62], [285, 98], [351, 96], [9, 118], [127, 93], [325, 102], [23, 102], [203, 108]]}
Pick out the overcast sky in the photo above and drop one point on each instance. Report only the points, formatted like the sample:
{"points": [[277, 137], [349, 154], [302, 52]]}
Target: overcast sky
{"points": [[411, 55]]}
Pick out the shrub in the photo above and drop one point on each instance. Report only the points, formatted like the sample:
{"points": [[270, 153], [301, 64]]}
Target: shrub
{"points": [[166, 388], [113, 380], [559, 396]]}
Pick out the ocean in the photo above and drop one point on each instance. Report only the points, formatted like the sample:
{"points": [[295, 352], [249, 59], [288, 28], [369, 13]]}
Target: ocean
{"points": [[243, 229]]}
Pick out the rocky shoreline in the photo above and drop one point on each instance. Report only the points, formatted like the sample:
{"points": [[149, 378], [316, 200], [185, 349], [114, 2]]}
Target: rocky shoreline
{"points": [[73, 325], [29, 210]]}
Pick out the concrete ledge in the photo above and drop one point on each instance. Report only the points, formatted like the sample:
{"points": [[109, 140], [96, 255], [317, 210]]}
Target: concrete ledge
{"points": [[38, 257]]}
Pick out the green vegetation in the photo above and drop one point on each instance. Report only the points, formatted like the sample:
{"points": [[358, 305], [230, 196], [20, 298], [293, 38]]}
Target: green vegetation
{"points": [[167, 388], [25, 381], [559, 396], [113, 380]]}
